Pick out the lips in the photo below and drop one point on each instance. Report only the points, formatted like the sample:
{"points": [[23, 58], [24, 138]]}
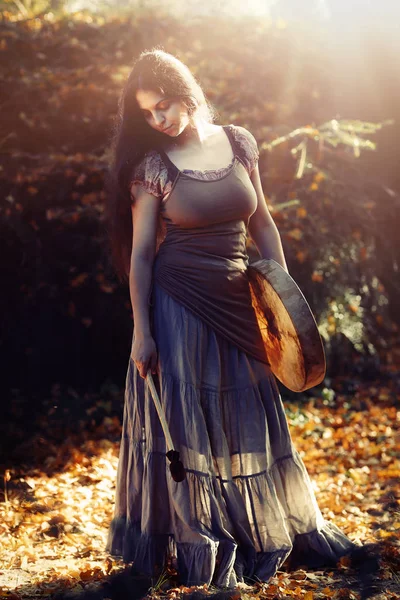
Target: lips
{"points": [[166, 128]]}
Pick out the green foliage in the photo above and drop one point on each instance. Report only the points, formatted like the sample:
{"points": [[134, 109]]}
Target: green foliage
{"points": [[344, 132]]}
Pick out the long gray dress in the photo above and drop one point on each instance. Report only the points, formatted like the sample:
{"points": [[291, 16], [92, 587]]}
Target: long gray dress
{"points": [[247, 500]]}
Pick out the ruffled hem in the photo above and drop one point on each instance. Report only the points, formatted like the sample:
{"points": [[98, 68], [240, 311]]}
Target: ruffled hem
{"points": [[321, 548], [222, 563], [196, 564]]}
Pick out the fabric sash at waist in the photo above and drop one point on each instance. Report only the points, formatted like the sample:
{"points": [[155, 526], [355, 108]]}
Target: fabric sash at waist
{"points": [[216, 289]]}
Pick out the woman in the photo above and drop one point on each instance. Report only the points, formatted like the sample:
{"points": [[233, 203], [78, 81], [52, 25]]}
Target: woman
{"points": [[193, 190]]}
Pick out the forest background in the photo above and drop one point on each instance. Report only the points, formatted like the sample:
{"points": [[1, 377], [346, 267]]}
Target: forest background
{"points": [[316, 82]]}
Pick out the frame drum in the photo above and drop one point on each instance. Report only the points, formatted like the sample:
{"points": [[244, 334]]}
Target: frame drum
{"points": [[291, 338]]}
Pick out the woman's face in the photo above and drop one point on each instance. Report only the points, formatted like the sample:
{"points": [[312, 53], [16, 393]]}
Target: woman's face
{"points": [[162, 112]]}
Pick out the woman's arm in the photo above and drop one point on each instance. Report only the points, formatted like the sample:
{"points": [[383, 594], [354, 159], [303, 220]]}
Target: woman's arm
{"points": [[262, 228], [144, 218]]}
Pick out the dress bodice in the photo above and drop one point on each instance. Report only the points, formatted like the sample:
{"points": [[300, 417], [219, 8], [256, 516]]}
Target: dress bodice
{"points": [[156, 174], [198, 199]]}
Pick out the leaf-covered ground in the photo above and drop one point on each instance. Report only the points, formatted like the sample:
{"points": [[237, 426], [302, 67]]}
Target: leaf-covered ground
{"points": [[54, 519]]}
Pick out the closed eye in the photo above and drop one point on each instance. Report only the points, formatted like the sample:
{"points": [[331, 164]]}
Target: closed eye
{"points": [[164, 107]]}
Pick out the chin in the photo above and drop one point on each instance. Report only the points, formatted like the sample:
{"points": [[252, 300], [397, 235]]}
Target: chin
{"points": [[175, 130]]}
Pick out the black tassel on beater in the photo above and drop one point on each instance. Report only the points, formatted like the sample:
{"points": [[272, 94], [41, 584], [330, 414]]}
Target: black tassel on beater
{"points": [[176, 467]]}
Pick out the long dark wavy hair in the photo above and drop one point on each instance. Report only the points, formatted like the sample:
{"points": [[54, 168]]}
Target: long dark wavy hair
{"points": [[158, 71]]}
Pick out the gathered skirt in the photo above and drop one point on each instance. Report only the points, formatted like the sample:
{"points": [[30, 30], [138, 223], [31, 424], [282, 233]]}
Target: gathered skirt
{"points": [[247, 501]]}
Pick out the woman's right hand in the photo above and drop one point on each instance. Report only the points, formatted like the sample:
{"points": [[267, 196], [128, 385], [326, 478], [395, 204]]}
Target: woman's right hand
{"points": [[144, 354]]}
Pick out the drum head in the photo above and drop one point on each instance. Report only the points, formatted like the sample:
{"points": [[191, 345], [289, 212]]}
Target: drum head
{"points": [[292, 341]]}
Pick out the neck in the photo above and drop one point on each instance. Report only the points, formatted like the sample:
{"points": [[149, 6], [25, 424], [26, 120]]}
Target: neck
{"points": [[193, 135]]}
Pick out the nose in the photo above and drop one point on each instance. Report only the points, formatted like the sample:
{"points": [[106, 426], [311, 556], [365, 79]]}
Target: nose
{"points": [[158, 119]]}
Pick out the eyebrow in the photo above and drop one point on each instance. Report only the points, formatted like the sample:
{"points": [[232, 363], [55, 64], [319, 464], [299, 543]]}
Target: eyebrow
{"points": [[166, 98]]}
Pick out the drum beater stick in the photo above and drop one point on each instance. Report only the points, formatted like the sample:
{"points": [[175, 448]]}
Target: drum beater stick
{"points": [[176, 467]]}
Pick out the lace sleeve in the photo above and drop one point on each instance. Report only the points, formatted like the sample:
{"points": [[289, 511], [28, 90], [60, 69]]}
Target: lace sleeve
{"points": [[149, 174], [248, 145]]}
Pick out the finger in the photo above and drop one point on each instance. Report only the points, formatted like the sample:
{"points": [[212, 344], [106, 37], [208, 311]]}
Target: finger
{"points": [[139, 367], [154, 363], [145, 369]]}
